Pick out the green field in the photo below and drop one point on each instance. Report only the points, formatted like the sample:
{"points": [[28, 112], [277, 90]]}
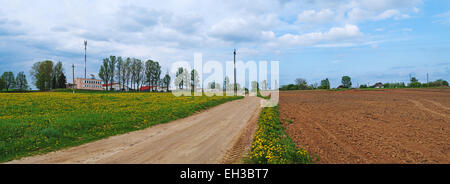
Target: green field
{"points": [[35, 123]]}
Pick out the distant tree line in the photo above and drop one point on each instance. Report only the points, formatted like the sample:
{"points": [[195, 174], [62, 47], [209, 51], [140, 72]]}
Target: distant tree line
{"points": [[414, 83], [302, 84], [189, 80], [9, 82], [132, 73], [346, 82]]}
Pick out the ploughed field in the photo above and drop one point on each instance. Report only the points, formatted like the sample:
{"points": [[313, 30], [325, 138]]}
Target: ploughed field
{"points": [[370, 126]]}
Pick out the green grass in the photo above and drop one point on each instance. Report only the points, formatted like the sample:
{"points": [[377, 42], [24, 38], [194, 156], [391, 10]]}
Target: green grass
{"points": [[261, 96], [271, 144], [36, 123]]}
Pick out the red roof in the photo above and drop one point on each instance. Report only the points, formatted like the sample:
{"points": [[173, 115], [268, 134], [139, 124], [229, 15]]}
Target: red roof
{"points": [[143, 88], [104, 85]]}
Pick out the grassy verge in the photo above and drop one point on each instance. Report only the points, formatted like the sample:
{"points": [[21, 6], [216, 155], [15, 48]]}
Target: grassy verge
{"points": [[271, 144], [261, 96], [35, 123]]}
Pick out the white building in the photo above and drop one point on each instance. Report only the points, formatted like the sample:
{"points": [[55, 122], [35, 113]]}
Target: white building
{"points": [[116, 87]]}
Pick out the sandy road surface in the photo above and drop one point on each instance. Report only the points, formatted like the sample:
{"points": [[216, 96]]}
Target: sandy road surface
{"points": [[206, 137]]}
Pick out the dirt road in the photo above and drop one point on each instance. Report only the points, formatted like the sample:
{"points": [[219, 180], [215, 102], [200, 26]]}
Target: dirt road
{"points": [[207, 137], [375, 126]]}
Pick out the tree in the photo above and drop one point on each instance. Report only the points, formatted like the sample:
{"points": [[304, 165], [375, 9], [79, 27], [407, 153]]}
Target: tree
{"points": [[346, 82], [301, 83], [128, 73], [264, 85], [195, 82], [9, 80], [182, 78], [149, 72], [438, 83], [112, 67], [120, 66], [21, 81], [444, 83], [139, 71], [156, 74], [104, 73], [58, 71], [133, 72], [54, 82], [325, 84], [166, 81], [227, 84], [125, 73], [62, 80], [2, 84], [42, 74], [414, 83], [212, 85]]}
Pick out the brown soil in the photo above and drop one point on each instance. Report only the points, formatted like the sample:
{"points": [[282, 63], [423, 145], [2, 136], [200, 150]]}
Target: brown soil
{"points": [[373, 126]]}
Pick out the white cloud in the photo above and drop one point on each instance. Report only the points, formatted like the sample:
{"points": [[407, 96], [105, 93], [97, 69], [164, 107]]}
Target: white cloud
{"points": [[443, 18], [381, 5], [174, 29], [311, 16], [359, 15], [252, 28], [348, 32], [387, 14]]}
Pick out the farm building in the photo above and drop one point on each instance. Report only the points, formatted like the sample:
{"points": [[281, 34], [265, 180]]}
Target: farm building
{"points": [[116, 87], [88, 84], [149, 88], [378, 85]]}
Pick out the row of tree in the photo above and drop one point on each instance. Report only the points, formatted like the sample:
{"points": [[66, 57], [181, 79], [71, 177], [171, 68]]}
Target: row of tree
{"points": [[414, 83], [346, 82], [8, 81], [302, 84], [190, 80], [132, 73], [47, 75]]}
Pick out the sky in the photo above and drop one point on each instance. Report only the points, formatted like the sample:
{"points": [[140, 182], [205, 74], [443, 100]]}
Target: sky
{"points": [[368, 40]]}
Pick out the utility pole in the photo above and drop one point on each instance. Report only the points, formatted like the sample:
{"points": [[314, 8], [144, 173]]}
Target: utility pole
{"points": [[73, 78], [427, 79], [85, 51], [235, 85]]}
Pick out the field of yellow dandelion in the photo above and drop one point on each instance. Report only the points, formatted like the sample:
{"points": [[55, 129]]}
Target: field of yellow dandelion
{"points": [[35, 123]]}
